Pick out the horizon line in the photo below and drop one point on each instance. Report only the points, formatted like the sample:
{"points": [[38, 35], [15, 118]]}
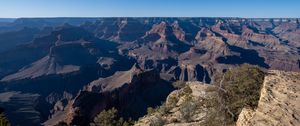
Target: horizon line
{"points": [[151, 17]]}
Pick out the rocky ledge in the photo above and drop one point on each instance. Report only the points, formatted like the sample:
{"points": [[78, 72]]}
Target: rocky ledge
{"points": [[200, 104], [278, 104]]}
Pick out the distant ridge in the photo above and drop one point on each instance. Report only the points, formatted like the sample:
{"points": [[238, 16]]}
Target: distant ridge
{"points": [[8, 20]]}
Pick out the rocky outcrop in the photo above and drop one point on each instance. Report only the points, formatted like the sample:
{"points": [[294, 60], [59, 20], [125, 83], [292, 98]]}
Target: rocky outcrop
{"points": [[278, 104], [115, 81], [194, 73], [201, 104], [194, 105], [131, 92]]}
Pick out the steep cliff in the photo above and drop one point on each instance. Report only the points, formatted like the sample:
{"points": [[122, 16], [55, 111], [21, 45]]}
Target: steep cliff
{"points": [[278, 104], [130, 92]]}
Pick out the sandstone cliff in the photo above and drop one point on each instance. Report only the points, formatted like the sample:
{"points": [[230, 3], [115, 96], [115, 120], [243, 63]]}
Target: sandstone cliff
{"points": [[278, 104]]}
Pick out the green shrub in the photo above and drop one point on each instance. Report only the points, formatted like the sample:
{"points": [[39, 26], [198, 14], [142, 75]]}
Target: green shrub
{"points": [[61, 123], [3, 120], [172, 101], [242, 88], [163, 109], [179, 84], [188, 106], [150, 110], [187, 110], [109, 118], [157, 121], [105, 118], [187, 90]]}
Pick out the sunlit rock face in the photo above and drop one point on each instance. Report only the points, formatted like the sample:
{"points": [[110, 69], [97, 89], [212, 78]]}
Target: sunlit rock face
{"points": [[278, 102]]}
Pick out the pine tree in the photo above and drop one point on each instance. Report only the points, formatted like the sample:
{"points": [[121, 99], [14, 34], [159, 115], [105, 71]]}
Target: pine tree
{"points": [[105, 118], [109, 118]]}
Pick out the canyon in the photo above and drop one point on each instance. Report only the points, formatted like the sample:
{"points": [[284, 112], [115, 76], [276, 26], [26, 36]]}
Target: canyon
{"points": [[71, 69]]}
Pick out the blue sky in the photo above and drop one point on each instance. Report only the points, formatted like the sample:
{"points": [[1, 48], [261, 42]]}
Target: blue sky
{"points": [[150, 8]]}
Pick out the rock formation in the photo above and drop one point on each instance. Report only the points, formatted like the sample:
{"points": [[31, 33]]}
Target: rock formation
{"points": [[278, 104], [199, 104]]}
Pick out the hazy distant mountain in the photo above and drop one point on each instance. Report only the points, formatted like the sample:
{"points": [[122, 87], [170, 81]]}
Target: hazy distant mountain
{"points": [[7, 24], [7, 20]]}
